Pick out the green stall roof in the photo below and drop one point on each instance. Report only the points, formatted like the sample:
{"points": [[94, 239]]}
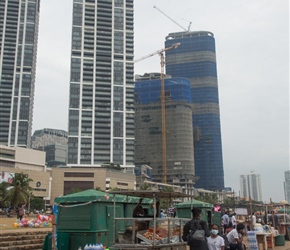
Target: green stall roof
{"points": [[195, 203], [92, 195]]}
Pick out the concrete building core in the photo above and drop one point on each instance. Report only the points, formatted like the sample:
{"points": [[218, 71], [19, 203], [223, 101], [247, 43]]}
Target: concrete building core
{"points": [[179, 133]]}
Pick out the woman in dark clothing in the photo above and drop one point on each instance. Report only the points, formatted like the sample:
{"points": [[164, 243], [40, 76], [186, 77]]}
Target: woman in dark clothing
{"points": [[196, 244]]}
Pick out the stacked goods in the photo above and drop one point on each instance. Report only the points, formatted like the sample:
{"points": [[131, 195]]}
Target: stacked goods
{"points": [[161, 235], [253, 244]]}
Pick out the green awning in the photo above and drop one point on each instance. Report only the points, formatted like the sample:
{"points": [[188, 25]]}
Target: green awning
{"points": [[195, 203], [92, 195]]}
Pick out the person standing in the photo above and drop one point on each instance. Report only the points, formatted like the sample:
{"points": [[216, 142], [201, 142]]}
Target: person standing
{"points": [[233, 220], [235, 237], [225, 220], [254, 220], [196, 223], [21, 210], [214, 241]]}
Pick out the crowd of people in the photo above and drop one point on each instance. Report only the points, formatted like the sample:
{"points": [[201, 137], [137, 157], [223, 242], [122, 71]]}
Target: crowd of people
{"points": [[230, 236]]}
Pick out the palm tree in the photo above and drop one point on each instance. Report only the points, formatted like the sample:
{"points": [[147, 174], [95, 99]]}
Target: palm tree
{"points": [[3, 193], [20, 189]]}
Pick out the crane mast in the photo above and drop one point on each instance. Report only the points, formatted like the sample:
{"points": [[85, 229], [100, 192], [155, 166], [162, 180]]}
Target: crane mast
{"points": [[162, 98]]}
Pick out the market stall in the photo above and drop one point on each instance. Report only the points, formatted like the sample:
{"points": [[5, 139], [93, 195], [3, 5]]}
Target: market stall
{"points": [[161, 233], [86, 217]]}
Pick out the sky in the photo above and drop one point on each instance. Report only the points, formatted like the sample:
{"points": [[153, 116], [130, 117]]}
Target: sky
{"points": [[252, 50]]}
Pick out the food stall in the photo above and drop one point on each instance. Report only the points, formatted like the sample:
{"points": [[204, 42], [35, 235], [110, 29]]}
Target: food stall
{"points": [[86, 217], [161, 233]]}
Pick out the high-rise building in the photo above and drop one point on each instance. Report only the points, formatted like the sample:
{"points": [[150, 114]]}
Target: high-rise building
{"points": [[179, 133], [250, 186], [18, 44], [54, 143], [195, 59], [101, 103], [287, 185]]}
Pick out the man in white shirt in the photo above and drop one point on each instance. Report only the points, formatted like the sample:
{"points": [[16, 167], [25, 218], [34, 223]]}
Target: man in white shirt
{"points": [[233, 220], [254, 220], [235, 237]]}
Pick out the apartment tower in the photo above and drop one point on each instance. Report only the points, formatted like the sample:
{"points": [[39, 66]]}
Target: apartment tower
{"points": [[250, 186], [195, 59], [18, 45], [101, 101]]}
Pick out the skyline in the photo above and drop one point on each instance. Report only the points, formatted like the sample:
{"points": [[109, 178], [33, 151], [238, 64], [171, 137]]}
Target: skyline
{"points": [[252, 45]]}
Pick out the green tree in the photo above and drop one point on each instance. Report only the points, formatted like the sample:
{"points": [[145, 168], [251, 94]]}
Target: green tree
{"points": [[145, 186], [3, 194], [229, 202], [20, 189], [166, 202], [75, 190], [36, 203], [209, 198]]}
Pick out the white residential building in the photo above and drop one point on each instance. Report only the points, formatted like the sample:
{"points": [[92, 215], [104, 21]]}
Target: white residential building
{"points": [[101, 103], [250, 186], [287, 185]]}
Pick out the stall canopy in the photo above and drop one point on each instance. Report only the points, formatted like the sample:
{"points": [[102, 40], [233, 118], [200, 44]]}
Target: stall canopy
{"points": [[151, 193], [193, 203], [92, 195]]}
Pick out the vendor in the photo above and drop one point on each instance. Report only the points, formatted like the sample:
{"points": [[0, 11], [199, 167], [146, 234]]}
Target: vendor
{"points": [[138, 210]]}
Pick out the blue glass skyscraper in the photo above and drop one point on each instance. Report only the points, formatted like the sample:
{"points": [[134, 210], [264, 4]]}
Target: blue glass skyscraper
{"points": [[195, 59]]}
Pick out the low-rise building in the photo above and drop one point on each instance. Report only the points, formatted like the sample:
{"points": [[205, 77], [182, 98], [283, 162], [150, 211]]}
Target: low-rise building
{"points": [[66, 180], [29, 162]]}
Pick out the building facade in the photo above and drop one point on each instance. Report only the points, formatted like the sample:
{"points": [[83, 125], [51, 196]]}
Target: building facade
{"points": [[179, 133], [101, 101], [68, 180], [18, 44], [195, 59], [287, 185], [29, 162], [251, 187], [54, 143]]}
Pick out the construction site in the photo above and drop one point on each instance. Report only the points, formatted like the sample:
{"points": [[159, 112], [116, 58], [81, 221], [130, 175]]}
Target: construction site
{"points": [[149, 147]]}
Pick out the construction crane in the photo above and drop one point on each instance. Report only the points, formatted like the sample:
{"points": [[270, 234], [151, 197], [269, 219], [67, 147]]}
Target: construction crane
{"points": [[188, 29], [162, 98]]}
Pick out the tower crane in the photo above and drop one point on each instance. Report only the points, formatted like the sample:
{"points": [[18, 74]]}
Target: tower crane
{"points": [[162, 98], [188, 29]]}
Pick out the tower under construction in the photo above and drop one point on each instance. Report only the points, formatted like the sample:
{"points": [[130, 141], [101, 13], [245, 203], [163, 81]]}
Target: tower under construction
{"points": [[179, 130]]}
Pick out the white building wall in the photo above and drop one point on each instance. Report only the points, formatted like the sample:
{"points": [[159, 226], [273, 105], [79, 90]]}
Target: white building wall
{"points": [[287, 185], [250, 186]]}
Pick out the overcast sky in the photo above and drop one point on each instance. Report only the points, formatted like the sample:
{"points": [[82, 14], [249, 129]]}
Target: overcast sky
{"points": [[252, 48]]}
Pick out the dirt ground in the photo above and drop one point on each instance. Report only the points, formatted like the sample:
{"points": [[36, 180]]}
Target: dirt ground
{"points": [[7, 223]]}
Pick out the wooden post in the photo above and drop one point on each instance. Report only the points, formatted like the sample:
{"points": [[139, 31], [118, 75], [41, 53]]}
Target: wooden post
{"points": [[53, 232], [251, 214]]}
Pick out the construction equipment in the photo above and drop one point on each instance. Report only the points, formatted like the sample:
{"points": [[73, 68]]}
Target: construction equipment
{"points": [[162, 98], [188, 29]]}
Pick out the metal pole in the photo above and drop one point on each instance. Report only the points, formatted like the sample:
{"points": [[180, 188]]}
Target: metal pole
{"points": [[114, 235], [154, 219]]}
